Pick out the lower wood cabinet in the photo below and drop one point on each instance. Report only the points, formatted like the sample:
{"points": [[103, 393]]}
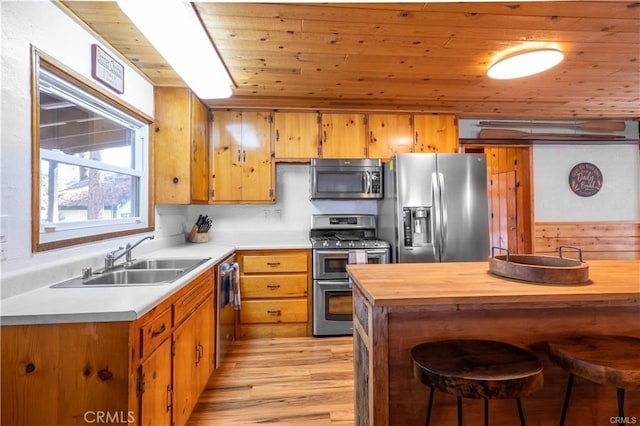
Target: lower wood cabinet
{"points": [[150, 371], [274, 288], [193, 361], [155, 387]]}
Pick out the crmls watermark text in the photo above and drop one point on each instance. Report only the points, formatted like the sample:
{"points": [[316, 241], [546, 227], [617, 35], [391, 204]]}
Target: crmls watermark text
{"points": [[623, 420], [109, 417]]}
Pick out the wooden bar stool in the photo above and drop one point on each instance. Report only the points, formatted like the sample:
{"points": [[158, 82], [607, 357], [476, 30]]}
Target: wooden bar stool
{"points": [[603, 359], [477, 369]]}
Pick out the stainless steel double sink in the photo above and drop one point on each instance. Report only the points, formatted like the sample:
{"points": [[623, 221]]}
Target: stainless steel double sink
{"points": [[138, 273]]}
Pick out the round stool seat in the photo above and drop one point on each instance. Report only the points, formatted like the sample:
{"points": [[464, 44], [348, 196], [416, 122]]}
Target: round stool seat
{"points": [[607, 360], [477, 368]]}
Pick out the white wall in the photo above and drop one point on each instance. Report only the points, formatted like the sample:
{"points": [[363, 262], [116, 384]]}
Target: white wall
{"points": [[290, 214], [617, 200], [45, 26]]}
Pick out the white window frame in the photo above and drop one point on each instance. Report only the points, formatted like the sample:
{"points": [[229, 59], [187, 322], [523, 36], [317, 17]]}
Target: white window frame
{"points": [[52, 78]]}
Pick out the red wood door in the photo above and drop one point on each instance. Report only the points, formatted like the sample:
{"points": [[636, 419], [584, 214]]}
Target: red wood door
{"points": [[504, 215]]}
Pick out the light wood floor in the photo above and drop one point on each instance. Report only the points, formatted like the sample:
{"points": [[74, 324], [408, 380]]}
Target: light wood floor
{"points": [[292, 381]]}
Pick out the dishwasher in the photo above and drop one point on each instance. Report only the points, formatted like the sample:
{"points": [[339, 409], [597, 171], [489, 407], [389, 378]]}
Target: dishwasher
{"points": [[228, 301]]}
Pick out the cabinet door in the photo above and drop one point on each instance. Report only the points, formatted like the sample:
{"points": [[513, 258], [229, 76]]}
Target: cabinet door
{"points": [[205, 329], [257, 174], [436, 133], [193, 360], [184, 371], [156, 399], [343, 136], [296, 135], [199, 151], [172, 147], [227, 150], [389, 134]]}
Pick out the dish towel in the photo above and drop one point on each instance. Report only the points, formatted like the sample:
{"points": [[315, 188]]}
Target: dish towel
{"points": [[237, 303], [357, 256]]}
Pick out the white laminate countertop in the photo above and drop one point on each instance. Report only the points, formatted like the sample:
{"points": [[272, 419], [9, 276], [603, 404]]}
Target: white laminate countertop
{"points": [[46, 305]]}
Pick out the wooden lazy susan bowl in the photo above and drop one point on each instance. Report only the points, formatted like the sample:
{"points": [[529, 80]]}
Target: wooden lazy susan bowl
{"points": [[541, 269]]}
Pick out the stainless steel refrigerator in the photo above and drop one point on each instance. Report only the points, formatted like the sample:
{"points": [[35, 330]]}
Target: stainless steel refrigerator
{"points": [[435, 208]]}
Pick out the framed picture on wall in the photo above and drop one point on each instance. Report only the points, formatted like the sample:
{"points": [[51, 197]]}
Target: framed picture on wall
{"points": [[585, 179]]}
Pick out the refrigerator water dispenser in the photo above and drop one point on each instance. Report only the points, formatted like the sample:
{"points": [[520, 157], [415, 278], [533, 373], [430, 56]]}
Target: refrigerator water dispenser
{"points": [[417, 229]]}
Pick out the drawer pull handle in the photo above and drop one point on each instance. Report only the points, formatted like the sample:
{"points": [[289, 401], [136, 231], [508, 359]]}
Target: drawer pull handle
{"points": [[274, 312], [272, 264], [273, 286], [169, 398], [199, 353], [161, 330]]}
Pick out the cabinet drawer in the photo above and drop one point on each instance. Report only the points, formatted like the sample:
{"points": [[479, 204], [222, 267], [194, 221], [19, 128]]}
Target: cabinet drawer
{"points": [[267, 286], [273, 311], [189, 301], [290, 329], [154, 332], [274, 263]]}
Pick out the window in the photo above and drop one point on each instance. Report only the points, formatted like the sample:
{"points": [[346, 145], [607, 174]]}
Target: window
{"points": [[92, 164]]}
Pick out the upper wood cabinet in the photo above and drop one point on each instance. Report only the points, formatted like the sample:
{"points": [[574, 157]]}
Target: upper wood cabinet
{"points": [[389, 134], [296, 135], [344, 136], [199, 151], [435, 133], [181, 156], [242, 169]]}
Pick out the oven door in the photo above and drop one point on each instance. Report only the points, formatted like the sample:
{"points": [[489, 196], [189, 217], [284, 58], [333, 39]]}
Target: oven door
{"points": [[332, 308], [331, 264]]}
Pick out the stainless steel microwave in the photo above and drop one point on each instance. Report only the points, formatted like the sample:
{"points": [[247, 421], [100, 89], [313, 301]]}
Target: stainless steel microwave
{"points": [[341, 179]]}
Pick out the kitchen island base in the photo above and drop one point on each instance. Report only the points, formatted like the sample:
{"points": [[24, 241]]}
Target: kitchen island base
{"points": [[388, 394]]}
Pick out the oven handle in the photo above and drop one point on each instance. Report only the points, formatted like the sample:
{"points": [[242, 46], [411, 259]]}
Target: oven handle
{"points": [[333, 284], [345, 251]]}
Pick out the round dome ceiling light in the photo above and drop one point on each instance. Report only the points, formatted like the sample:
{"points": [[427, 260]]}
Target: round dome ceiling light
{"points": [[525, 63]]}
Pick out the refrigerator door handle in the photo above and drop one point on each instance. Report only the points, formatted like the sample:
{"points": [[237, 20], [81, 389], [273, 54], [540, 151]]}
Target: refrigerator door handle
{"points": [[437, 220], [444, 219]]}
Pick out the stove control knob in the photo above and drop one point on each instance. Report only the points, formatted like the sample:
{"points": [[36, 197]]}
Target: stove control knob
{"points": [[338, 243], [325, 243], [363, 243], [376, 243], [351, 244]]}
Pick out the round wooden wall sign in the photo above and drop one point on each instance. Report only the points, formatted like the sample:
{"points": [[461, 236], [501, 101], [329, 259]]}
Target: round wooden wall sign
{"points": [[585, 179]]}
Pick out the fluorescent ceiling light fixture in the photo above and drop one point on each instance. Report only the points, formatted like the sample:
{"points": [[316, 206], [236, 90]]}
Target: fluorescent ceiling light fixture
{"points": [[173, 28], [525, 63]]}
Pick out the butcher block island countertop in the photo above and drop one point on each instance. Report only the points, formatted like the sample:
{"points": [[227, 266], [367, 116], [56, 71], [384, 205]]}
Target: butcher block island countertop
{"points": [[409, 284], [397, 306]]}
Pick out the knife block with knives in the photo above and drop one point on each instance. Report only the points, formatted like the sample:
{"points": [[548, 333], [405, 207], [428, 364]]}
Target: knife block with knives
{"points": [[200, 231]]}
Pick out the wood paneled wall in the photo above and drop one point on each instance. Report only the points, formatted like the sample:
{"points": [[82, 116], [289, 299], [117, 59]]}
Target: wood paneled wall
{"points": [[510, 198], [597, 240]]}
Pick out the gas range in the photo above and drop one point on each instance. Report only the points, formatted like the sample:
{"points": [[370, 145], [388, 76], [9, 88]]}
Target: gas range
{"points": [[344, 231], [337, 240]]}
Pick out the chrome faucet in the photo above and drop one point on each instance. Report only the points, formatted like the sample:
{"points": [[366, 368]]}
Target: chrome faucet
{"points": [[112, 256]]}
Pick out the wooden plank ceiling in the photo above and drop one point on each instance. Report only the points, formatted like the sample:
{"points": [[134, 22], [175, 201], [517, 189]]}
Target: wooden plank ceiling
{"points": [[408, 56]]}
